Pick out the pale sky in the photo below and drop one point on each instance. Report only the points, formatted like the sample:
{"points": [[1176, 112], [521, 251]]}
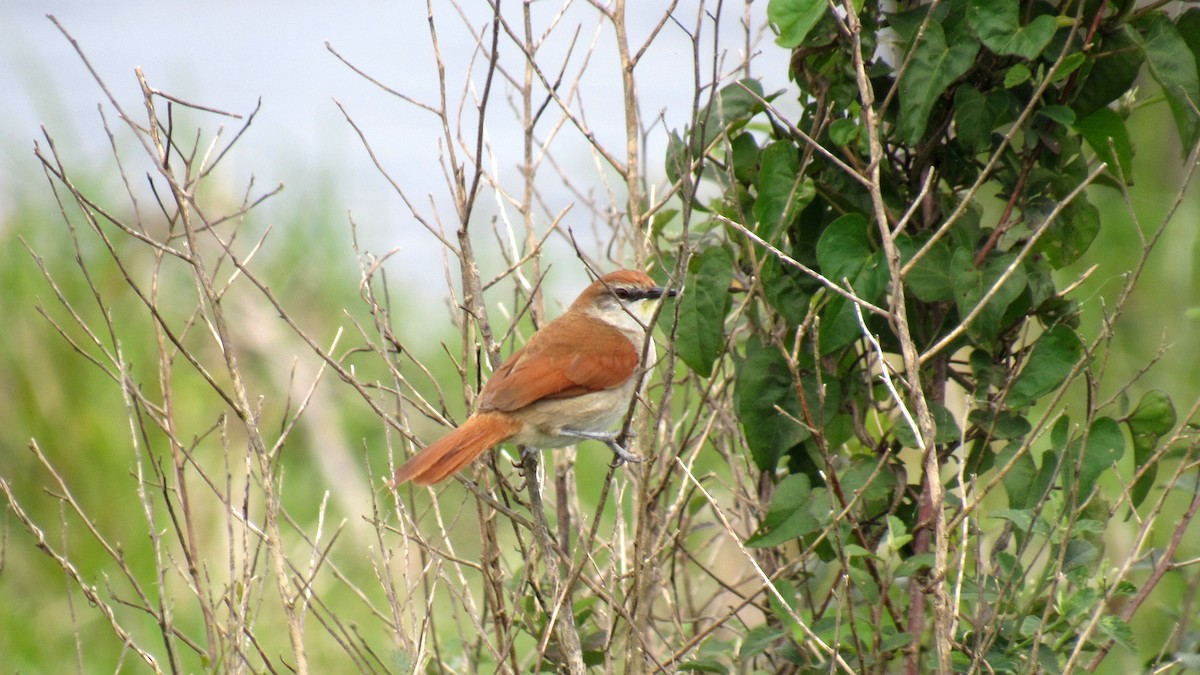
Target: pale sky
{"points": [[227, 54]]}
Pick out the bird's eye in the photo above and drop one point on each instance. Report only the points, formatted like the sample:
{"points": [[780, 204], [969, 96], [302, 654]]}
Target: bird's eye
{"points": [[622, 293]]}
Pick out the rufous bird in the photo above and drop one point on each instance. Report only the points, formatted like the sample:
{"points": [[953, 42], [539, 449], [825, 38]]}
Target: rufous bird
{"points": [[573, 380]]}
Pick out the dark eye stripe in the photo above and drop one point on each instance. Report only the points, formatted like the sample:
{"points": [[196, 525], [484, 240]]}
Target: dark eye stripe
{"points": [[637, 293]]}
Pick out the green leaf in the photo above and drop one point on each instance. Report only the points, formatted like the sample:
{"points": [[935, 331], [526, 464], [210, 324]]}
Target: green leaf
{"points": [[757, 641], [946, 430], [1022, 519], [856, 551], [1081, 553], [782, 191], [789, 517], [744, 154], [1059, 113], [894, 642], [1032, 625], [914, 564], [1174, 68], [1054, 355], [839, 325], [660, 220], [971, 127], [1069, 65], [930, 280], [843, 131], [1017, 75], [1153, 418], [702, 310], [998, 26], [1071, 233], [1044, 480], [898, 535], [764, 382], [844, 247], [1154, 415], [784, 286], [971, 285], [1019, 480], [1008, 566], [1105, 131], [947, 426], [837, 427], [844, 252], [863, 584], [1111, 73], [734, 105], [874, 496], [784, 606], [907, 23], [977, 115], [934, 66], [1188, 25], [738, 101], [793, 19], [999, 425], [1124, 589], [1104, 446], [704, 664], [1115, 629], [1060, 434]]}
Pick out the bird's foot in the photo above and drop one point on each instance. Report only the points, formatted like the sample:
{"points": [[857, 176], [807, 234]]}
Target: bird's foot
{"points": [[525, 453], [622, 455], [608, 438]]}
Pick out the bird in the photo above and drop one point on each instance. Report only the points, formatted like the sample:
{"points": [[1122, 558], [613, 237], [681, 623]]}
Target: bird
{"points": [[573, 380]]}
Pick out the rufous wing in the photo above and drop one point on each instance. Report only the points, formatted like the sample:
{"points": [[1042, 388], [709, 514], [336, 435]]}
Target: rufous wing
{"points": [[572, 356]]}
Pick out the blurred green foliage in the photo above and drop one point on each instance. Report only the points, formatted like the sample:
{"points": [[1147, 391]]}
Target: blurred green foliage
{"points": [[74, 410]]}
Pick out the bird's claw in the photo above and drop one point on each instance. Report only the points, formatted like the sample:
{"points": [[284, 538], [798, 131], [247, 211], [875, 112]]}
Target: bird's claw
{"points": [[623, 456]]}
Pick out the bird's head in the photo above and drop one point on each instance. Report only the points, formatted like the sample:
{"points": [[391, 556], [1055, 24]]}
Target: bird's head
{"points": [[625, 299]]}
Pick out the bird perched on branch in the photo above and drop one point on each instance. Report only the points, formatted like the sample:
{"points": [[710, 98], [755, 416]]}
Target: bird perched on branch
{"points": [[573, 380]]}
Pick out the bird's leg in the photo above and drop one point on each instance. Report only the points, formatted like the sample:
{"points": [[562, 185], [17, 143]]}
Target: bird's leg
{"points": [[608, 438], [526, 453]]}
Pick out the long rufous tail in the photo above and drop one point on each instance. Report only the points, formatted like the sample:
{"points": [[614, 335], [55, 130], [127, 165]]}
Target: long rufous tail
{"points": [[457, 449]]}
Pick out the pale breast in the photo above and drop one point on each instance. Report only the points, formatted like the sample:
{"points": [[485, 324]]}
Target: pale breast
{"points": [[598, 411]]}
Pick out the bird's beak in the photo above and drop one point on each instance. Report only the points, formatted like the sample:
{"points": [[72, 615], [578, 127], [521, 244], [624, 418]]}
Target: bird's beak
{"points": [[657, 292]]}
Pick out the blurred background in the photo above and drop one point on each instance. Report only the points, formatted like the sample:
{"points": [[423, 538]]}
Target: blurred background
{"points": [[232, 55]]}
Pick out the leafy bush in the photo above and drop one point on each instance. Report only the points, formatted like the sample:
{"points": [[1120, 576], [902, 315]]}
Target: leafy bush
{"points": [[906, 349]]}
